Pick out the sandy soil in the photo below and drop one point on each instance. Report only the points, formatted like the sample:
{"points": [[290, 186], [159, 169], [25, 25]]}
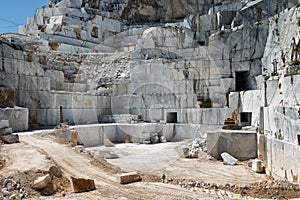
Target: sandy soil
{"points": [[35, 154]]}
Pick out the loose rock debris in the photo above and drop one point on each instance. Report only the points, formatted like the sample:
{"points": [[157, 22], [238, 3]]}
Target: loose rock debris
{"points": [[22, 185], [194, 149], [271, 189]]}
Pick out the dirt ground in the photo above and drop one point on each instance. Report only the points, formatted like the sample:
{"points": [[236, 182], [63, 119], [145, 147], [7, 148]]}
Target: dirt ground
{"points": [[166, 175]]}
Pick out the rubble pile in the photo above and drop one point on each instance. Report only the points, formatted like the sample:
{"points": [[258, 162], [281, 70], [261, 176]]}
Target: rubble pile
{"points": [[271, 189], [21, 185], [157, 138], [11, 189], [193, 150]]}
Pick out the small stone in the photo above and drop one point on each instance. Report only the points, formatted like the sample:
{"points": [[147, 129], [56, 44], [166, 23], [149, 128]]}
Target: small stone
{"points": [[202, 184], [162, 139], [154, 138], [13, 197], [257, 166], [111, 156], [74, 138], [50, 189], [170, 179], [194, 153], [249, 163], [163, 177], [9, 186], [41, 182], [192, 184], [186, 152], [195, 144], [5, 192], [55, 171]]}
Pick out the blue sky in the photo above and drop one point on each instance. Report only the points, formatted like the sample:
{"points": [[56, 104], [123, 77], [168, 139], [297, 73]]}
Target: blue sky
{"points": [[15, 12]]}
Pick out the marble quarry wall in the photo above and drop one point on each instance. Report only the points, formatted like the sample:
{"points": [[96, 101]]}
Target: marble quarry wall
{"points": [[185, 62], [280, 90]]}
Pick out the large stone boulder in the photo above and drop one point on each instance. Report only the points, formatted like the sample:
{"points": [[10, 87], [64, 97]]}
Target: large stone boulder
{"points": [[128, 177], [82, 185], [228, 159]]}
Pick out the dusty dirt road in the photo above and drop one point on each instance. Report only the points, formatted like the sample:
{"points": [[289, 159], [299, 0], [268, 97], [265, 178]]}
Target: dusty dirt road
{"points": [[74, 164]]}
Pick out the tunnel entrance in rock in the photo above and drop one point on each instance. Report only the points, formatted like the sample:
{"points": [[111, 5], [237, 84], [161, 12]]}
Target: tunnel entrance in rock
{"points": [[298, 139], [172, 117], [243, 81], [246, 118]]}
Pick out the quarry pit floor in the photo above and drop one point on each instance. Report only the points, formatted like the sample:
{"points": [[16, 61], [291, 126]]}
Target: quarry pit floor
{"points": [[38, 151]]}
